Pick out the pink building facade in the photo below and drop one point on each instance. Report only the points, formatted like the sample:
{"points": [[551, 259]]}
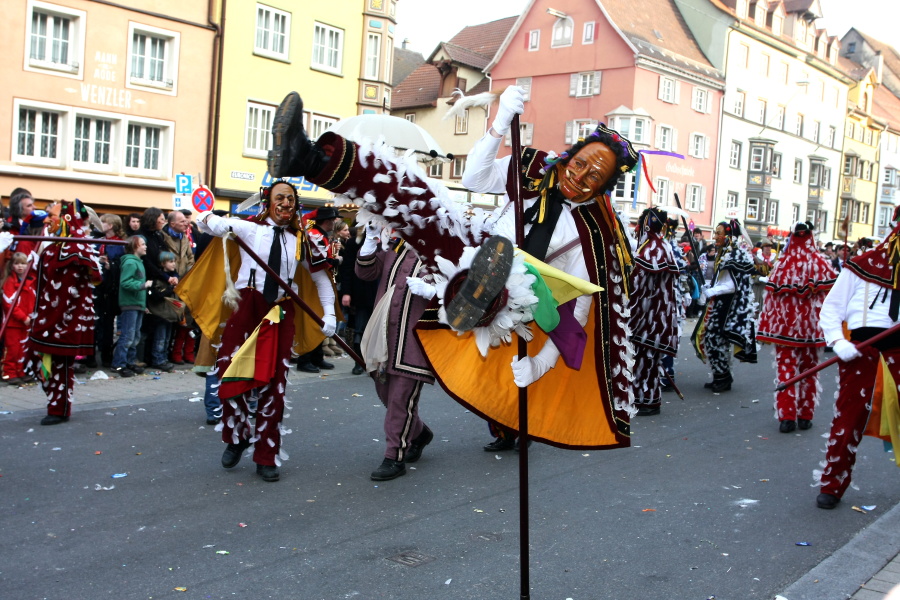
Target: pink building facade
{"points": [[590, 62]]}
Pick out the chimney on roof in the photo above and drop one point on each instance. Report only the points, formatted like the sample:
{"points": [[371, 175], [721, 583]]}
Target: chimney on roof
{"points": [[405, 43], [879, 66]]}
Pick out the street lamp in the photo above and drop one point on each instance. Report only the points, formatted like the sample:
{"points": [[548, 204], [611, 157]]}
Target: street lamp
{"points": [[557, 13]]}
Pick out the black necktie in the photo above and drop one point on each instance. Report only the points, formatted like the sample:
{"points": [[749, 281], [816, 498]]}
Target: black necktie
{"points": [[270, 288]]}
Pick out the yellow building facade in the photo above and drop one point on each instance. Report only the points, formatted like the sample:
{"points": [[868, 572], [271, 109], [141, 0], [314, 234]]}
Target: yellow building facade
{"points": [[859, 172], [105, 102], [335, 54]]}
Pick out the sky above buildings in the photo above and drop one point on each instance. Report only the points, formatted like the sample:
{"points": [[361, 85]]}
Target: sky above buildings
{"points": [[426, 23]]}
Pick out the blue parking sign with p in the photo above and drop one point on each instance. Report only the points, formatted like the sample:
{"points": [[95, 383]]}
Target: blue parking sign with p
{"points": [[184, 184]]}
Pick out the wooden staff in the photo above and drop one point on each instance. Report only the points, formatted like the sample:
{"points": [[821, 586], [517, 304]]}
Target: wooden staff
{"points": [[834, 359], [294, 296]]}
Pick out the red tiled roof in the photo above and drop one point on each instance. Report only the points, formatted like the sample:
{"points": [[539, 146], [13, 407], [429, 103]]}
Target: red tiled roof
{"points": [[405, 62], [792, 6], [484, 39], [420, 88], [891, 57], [657, 24], [465, 56], [886, 105], [853, 70]]}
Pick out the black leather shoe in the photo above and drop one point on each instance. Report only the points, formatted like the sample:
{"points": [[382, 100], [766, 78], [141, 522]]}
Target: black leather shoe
{"points": [[721, 386], [804, 424], [787, 426], [485, 280], [648, 411], [418, 444], [232, 455], [166, 366], [389, 469], [827, 501], [517, 444], [268, 472], [213, 421], [358, 369], [135, 369], [308, 368], [325, 365], [53, 420], [500, 444], [292, 153]]}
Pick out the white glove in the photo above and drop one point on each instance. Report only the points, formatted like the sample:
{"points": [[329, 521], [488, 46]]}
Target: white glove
{"points": [[763, 279], [703, 299], [373, 238], [6, 240], [846, 350], [420, 287], [329, 325], [528, 370], [512, 103]]}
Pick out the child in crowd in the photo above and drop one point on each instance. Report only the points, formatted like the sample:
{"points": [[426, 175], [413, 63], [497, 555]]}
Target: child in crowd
{"points": [[162, 327], [133, 284], [17, 313]]}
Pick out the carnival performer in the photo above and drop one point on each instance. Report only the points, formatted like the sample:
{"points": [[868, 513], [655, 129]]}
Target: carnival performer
{"points": [[398, 367], [63, 326], [485, 291], [865, 299], [796, 288], [276, 236], [654, 309], [728, 319], [684, 285], [319, 234]]}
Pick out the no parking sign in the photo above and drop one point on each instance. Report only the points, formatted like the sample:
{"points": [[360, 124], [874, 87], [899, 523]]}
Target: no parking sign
{"points": [[202, 199]]}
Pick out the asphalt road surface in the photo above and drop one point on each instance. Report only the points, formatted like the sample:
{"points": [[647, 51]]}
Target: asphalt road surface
{"points": [[711, 500]]}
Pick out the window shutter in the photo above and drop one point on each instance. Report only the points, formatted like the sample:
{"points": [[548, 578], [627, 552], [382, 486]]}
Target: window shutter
{"points": [[674, 147], [573, 84], [702, 198], [659, 92], [708, 104], [677, 98], [658, 136], [706, 141], [570, 128], [528, 134], [695, 94], [596, 90], [593, 32]]}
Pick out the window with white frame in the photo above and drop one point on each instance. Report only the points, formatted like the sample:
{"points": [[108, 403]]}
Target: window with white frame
{"points": [[436, 170], [776, 165], [888, 177], [388, 58], [773, 211], [273, 29], [826, 178], [411, 117], [695, 197], [848, 165], [734, 157], [795, 213], [761, 115], [731, 200], [868, 137], [757, 155], [462, 123], [562, 32], [625, 186], [662, 191], [779, 117], [699, 145], [667, 90], [55, 40], [92, 141], [373, 55], [743, 56], [816, 126], [764, 65], [328, 48], [153, 59], [631, 128], [784, 71], [258, 131], [588, 36], [585, 84], [459, 166], [534, 40], [38, 134], [815, 173], [142, 147], [752, 209], [798, 128], [864, 214], [700, 99], [854, 212], [738, 106], [319, 124], [525, 84], [579, 129], [798, 170], [884, 216], [665, 138]]}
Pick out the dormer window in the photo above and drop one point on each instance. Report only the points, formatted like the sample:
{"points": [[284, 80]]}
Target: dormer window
{"points": [[777, 24], [762, 8], [562, 32], [740, 9]]}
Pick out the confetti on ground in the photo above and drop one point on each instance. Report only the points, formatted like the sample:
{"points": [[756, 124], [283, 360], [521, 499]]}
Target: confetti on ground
{"points": [[448, 582], [98, 488], [98, 452], [649, 510], [356, 395], [242, 524], [5, 412], [180, 589], [119, 475], [210, 546], [478, 510], [585, 454], [858, 509], [804, 544], [57, 448], [99, 433], [764, 480], [870, 507], [222, 552]]}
